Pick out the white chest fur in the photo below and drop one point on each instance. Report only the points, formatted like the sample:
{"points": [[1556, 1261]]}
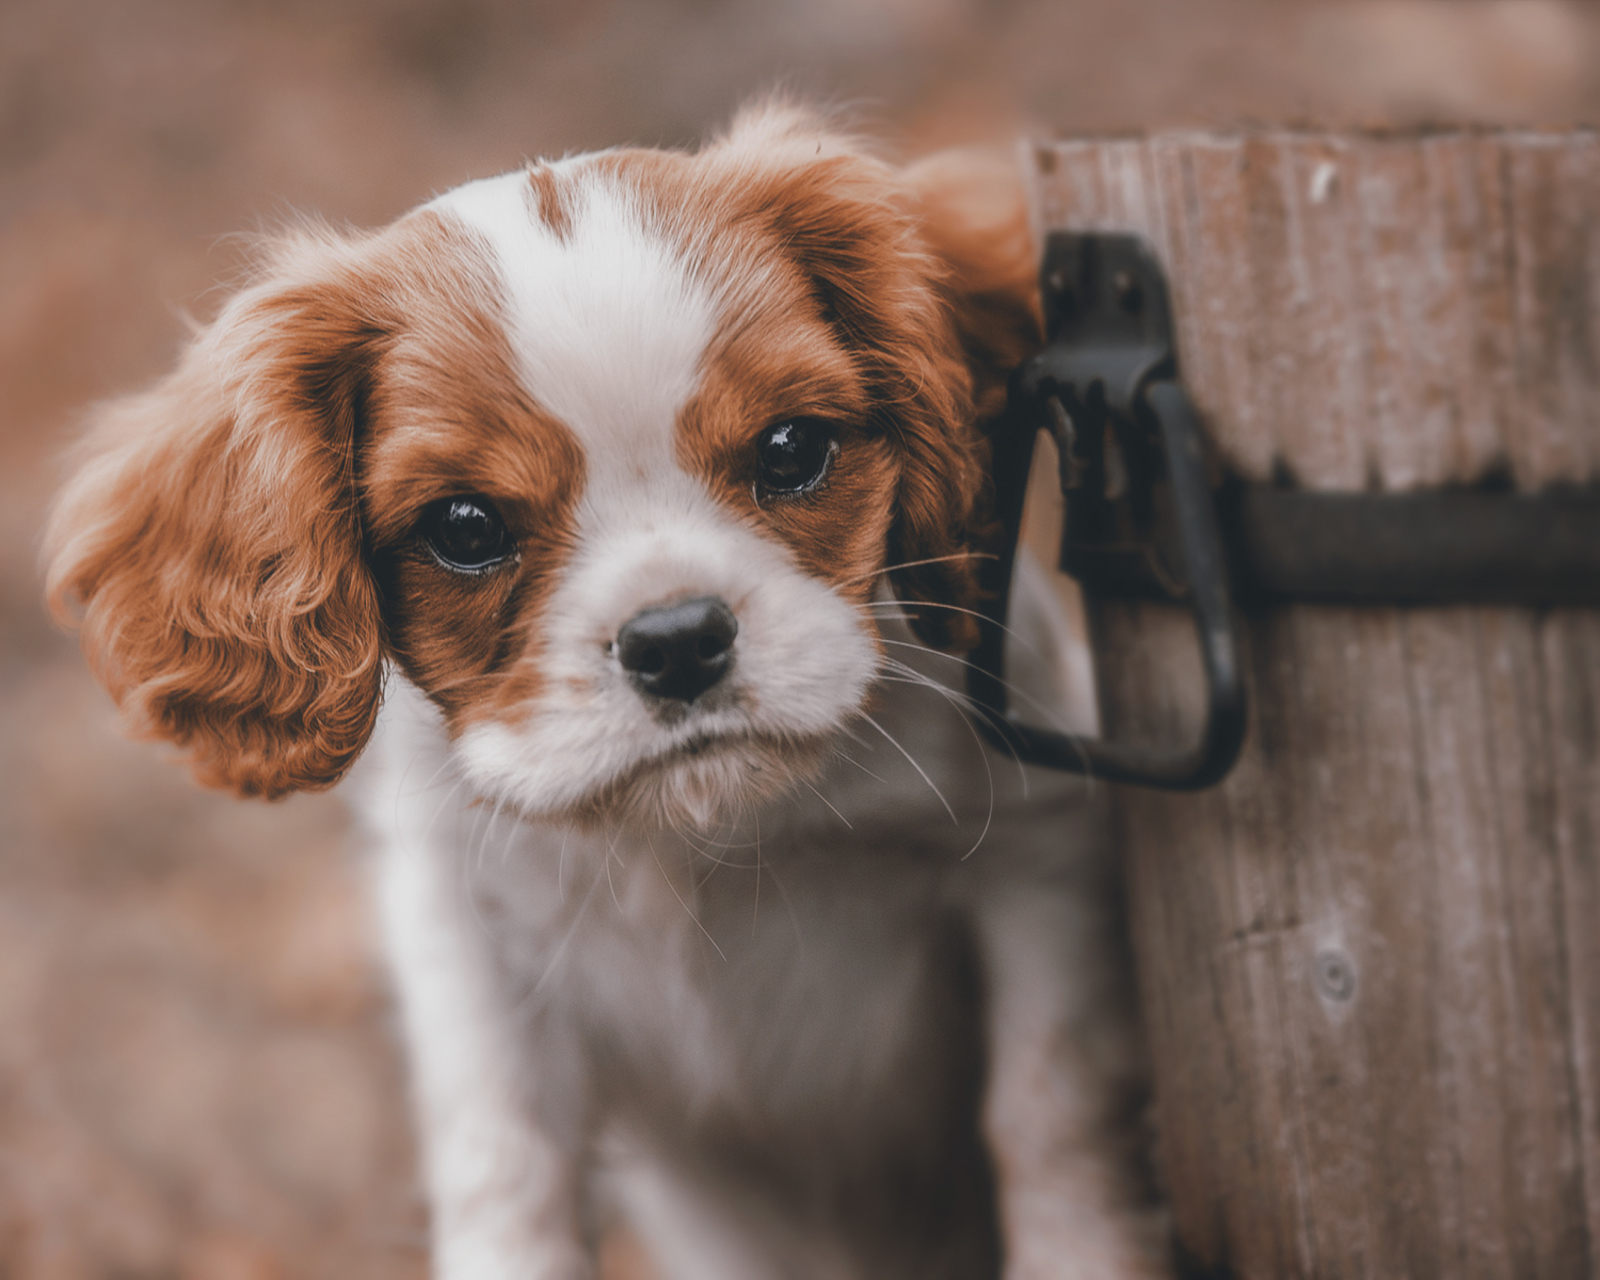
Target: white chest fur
{"points": [[751, 1024]]}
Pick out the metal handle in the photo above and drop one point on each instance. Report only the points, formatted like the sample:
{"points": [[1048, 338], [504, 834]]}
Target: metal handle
{"points": [[1140, 508]]}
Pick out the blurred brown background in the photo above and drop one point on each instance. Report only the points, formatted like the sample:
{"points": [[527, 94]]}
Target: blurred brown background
{"points": [[198, 1078]]}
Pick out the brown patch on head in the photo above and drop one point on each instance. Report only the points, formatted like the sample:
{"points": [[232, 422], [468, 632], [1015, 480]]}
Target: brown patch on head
{"points": [[779, 362], [838, 306], [451, 418], [551, 199], [779, 356]]}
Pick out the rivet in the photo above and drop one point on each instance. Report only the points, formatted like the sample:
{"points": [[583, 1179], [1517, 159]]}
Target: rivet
{"points": [[1129, 296], [1334, 974]]}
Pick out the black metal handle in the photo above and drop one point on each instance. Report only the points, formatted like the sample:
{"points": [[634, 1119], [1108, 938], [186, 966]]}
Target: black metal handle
{"points": [[1140, 508]]}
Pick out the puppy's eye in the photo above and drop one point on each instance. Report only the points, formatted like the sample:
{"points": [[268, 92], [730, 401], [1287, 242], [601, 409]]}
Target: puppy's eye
{"points": [[465, 534], [793, 456]]}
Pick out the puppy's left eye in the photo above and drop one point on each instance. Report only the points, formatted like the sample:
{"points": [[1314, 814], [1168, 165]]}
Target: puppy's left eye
{"points": [[465, 534], [792, 456]]}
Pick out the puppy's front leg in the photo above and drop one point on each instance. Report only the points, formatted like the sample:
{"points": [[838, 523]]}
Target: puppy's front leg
{"points": [[504, 1189], [1063, 1111]]}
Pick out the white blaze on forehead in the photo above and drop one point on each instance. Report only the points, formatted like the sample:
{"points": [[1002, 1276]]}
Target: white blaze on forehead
{"points": [[607, 323]]}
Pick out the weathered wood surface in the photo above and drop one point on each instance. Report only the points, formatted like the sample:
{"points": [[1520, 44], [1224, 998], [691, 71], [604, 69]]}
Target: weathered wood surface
{"points": [[1371, 959]]}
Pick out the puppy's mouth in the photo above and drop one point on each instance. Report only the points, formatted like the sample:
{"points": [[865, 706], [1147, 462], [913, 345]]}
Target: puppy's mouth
{"points": [[706, 778], [700, 744], [735, 746]]}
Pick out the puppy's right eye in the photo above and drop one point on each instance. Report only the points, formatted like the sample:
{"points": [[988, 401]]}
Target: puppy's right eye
{"points": [[465, 534], [792, 456]]}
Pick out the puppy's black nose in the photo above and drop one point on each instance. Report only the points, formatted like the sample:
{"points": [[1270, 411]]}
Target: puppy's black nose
{"points": [[680, 651]]}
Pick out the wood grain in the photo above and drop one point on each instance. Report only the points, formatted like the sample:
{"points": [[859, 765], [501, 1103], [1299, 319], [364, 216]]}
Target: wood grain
{"points": [[1371, 959]]}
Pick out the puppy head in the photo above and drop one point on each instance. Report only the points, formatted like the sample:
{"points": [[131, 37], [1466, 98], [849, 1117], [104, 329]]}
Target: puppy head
{"points": [[608, 456]]}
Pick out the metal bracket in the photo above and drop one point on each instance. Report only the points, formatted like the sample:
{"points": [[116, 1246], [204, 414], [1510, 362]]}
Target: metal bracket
{"points": [[1142, 521], [1140, 515]]}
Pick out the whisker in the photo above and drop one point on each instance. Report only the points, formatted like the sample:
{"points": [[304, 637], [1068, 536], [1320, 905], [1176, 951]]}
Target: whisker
{"points": [[858, 764], [964, 704], [915, 564], [611, 850], [716, 844], [988, 773], [988, 715], [917, 678], [1021, 694], [496, 813], [403, 791], [1051, 716], [788, 905], [979, 709], [511, 835], [651, 845], [561, 947], [444, 803], [759, 867], [468, 864], [988, 818], [755, 911], [954, 608], [724, 862], [920, 770], [704, 851], [483, 816], [846, 731], [433, 778], [825, 801]]}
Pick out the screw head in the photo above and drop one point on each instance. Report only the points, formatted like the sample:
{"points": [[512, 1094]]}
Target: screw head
{"points": [[1334, 974]]}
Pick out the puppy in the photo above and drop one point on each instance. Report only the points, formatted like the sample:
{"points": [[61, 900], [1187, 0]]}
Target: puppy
{"points": [[641, 492]]}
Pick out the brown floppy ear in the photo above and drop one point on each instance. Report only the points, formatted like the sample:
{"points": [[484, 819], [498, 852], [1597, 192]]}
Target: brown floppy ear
{"points": [[974, 219], [974, 211], [927, 274], [211, 535]]}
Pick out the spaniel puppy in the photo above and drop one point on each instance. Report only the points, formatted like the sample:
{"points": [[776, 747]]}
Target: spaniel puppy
{"points": [[623, 509]]}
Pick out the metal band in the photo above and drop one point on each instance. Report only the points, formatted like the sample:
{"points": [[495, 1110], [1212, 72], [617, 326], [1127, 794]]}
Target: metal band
{"points": [[1440, 547]]}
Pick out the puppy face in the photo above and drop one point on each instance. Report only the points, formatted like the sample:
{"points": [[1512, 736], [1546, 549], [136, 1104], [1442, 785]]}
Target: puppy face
{"points": [[608, 456]]}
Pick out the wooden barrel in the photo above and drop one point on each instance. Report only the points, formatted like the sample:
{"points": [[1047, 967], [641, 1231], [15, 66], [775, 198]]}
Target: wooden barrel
{"points": [[1370, 960]]}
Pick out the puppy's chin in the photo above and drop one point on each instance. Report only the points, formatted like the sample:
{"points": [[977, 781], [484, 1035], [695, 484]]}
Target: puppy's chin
{"points": [[705, 783], [697, 785]]}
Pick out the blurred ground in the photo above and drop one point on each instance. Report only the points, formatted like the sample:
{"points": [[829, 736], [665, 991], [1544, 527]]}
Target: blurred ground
{"points": [[197, 1075]]}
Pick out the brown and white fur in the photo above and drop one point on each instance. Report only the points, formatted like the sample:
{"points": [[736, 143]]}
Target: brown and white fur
{"points": [[796, 972]]}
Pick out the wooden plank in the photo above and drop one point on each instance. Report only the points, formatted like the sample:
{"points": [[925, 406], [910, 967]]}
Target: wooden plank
{"points": [[1551, 186], [1569, 647], [1470, 289], [1371, 959]]}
